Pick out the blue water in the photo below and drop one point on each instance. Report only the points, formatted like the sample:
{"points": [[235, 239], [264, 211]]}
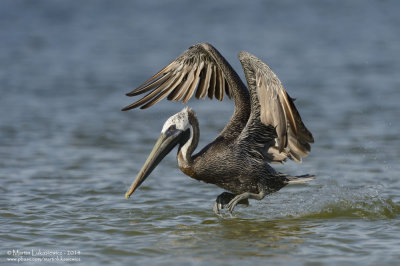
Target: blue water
{"points": [[67, 154]]}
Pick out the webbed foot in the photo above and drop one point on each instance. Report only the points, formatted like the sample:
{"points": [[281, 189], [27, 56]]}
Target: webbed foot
{"points": [[225, 199], [244, 196]]}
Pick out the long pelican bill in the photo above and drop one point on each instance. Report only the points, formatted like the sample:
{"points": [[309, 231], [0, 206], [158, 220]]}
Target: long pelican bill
{"points": [[165, 143]]}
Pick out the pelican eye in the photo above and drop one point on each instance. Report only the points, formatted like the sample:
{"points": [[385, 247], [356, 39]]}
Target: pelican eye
{"points": [[172, 128]]}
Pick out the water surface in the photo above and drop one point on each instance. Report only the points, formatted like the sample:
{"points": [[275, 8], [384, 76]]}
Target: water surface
{"points": [[67, 154]]}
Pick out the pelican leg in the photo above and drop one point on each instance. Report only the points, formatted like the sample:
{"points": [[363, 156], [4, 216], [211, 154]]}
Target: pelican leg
{"points": [[244, 196], [223, 199]]}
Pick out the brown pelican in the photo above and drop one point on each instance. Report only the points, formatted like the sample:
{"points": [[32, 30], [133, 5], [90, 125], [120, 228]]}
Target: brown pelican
{"points": [[265, 127]]}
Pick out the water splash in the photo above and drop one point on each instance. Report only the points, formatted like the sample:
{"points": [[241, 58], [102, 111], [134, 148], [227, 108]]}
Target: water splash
{"points": [[336, 201]]}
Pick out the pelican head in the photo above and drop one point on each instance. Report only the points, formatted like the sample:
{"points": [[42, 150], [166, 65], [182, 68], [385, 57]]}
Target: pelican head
{"points": [[177, 130]]}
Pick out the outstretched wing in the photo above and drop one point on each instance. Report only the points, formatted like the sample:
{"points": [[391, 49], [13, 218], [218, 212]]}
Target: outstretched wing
{"points": [[272, 108], [194, 72]]}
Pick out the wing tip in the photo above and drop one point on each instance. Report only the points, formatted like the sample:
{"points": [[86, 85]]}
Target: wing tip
{"points": [[125, 109], [128, 107], [131, 93]]}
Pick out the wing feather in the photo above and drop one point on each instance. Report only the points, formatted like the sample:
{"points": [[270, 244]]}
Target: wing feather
{"points": [[194, 68], [165, 89], [195, 81], [151, 94], [272, 106], [178, 87], [204, 83], [220, 90], [186, 84], [211, 89], [154, 84]]}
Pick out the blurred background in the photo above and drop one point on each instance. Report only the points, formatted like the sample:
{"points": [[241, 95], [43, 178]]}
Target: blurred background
{"points": [[67, 152]]}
